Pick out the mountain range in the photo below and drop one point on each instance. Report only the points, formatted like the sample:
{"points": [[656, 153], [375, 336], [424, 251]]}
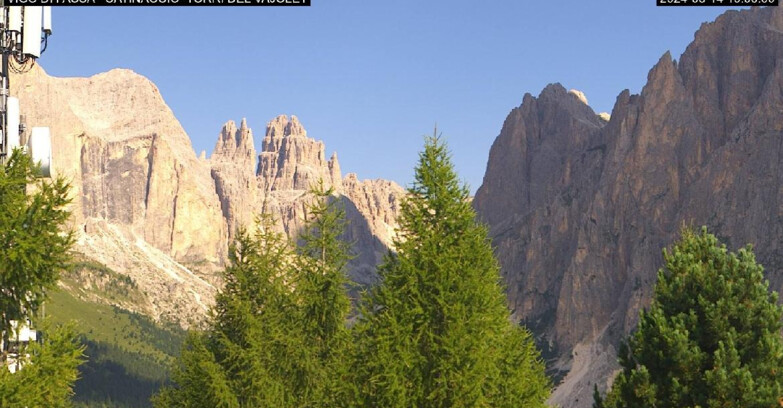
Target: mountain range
{"points": [[579, 204], [145, 205]]}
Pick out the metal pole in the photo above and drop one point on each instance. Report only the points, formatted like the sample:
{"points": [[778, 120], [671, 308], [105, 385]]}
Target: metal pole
{"points": [[6, 83], [6, 87], [4, 90]]}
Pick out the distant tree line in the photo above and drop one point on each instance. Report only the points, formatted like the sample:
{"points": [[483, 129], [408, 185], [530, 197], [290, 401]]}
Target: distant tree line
{"points": [[117, 378]]}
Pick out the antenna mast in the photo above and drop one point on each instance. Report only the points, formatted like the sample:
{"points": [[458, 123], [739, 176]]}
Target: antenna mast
{"points": [[24, 34]]}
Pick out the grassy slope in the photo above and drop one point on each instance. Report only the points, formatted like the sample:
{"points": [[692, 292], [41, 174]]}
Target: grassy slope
{"points": [[128, 353]]}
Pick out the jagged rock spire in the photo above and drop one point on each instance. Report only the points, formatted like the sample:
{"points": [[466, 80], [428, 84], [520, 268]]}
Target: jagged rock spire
{"points": [[233, 163], [235, 143], [290, 160]]}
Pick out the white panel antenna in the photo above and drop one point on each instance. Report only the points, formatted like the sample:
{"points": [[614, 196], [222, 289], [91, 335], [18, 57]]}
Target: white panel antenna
{"points": [[40, 145], [13, 124], [47, 20], [15, 18], [31, 30]]}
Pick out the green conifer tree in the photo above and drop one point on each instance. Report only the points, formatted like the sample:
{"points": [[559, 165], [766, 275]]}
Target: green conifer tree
{"points": [[436, 332], [277, 330], [34, 245], [47, 378], [250, 352], [34, 249], [321, 286], [711, 337]]}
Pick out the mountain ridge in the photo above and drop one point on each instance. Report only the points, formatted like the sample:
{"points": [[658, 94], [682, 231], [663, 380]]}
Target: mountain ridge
{"points": [[579, 213], [144, 204]]}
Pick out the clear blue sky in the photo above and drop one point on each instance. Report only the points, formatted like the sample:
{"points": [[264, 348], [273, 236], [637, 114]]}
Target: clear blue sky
{"points": [[370, 78]]}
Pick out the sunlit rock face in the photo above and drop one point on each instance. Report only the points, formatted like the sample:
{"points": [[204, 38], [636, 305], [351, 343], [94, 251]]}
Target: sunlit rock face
{"points": [[146, 206], [289, 165]]}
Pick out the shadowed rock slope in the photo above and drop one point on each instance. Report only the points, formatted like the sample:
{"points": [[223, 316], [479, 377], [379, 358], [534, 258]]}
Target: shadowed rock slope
{"points": [[580, 207]]}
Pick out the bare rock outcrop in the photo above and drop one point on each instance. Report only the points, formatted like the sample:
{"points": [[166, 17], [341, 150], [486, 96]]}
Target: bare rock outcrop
{"points": [[233, 165], [580, 208], [290, 164], [135, 178], [128, 158], [290, 160]]}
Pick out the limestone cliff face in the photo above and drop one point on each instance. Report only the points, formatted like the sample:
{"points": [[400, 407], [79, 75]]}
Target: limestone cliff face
{"points": [[146, 206], [143, 204], [232, 167], [289, 165], [580, 208], [290, 160], [130, 161]]}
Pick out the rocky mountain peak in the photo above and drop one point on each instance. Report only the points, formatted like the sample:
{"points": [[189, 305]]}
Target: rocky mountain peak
{"points": [[289, 160], [233, 170], [573, 101], [226, 139], [334, 170], [289, 165], [235, 143], [543, 129], [145, 205], [579, 209], [664, 80], [726, 66], [282, 126]]}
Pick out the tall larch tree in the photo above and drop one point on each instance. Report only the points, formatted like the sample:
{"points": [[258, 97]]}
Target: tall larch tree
{"points": [[277, 330], [249, 354], [437, 332], [322, 288]]}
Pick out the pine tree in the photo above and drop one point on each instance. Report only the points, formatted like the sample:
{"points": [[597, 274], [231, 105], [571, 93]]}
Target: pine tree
{"points": [[34, 249], [321, 286], [436, 332], [250, 352], [47, 379], [710, 338], [277, 331]]}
